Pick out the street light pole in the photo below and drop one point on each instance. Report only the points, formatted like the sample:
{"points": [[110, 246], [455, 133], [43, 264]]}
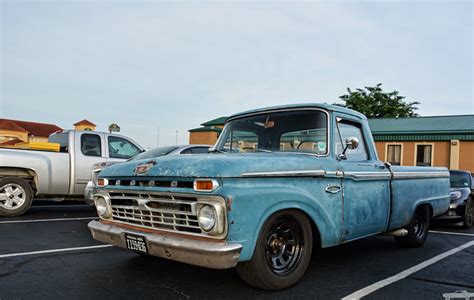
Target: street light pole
{"points": [[176, 138]]}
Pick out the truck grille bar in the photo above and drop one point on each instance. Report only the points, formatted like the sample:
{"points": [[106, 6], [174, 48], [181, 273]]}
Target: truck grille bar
{"points": [[163, 211]]}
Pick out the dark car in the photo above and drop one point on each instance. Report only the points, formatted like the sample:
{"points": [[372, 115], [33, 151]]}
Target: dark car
{"points": [[462, 206]]}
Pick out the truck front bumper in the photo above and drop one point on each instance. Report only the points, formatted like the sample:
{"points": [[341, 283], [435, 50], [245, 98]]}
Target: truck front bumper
{"points": [[215, 255]]}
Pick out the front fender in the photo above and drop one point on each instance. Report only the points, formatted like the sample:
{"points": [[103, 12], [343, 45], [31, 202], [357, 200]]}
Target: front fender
{"points": [[251, 207]]}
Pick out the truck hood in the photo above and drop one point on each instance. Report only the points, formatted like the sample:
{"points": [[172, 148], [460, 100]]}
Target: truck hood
{"points": [[214, 165]]}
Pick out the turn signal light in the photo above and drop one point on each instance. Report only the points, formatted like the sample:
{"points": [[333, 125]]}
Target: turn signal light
{"points": [[205, 185], [102, 182]]}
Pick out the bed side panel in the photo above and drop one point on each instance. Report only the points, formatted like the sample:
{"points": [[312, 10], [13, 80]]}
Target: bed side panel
{"points": [[413, 186]]}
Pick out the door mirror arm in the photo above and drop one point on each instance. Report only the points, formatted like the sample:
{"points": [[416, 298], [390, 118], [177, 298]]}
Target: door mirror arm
{"points": [[351, 143]]}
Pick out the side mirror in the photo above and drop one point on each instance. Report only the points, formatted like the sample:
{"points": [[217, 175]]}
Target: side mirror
{"points": [[351, 144]]}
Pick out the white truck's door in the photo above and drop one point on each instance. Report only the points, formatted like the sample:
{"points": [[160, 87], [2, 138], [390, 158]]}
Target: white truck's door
{"points": [[119, 149], [89, 149]]}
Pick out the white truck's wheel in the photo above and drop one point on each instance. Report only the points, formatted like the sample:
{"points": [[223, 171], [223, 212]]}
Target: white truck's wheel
{"points": [[16, 196]]}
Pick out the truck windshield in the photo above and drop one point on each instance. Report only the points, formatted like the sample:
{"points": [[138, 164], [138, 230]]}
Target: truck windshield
{"points": [[459, 179], [303, 131]]}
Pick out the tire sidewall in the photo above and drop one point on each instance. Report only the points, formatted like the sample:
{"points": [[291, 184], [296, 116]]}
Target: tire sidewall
{"points": [[29, 197], [466, 223], [275, 281], [411, 230], [412, 240]]}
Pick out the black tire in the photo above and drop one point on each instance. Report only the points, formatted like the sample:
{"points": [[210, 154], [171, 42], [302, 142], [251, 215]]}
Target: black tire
{"points": [[468, 217], [282, 253], [417, 229], [16, 196]]}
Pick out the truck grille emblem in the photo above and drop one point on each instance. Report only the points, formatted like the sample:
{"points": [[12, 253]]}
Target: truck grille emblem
{"points": [[142, 169]]}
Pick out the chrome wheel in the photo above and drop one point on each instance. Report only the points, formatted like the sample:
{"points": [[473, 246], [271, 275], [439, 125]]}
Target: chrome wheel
{"points": [[284, 246], [12, 196]]}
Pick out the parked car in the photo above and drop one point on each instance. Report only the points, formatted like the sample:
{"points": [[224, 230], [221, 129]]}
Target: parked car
{"points": [[279, 181], [25, 174], [157, 152], [461, 207]]}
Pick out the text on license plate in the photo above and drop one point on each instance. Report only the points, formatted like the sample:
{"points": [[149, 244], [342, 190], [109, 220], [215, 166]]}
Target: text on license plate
{"points": [[136, 243]]}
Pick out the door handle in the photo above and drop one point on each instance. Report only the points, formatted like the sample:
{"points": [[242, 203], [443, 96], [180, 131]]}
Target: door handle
{"points": [[333, 189]]}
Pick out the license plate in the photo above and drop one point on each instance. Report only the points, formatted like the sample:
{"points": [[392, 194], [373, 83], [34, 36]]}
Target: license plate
{"points": [[136, 243]]}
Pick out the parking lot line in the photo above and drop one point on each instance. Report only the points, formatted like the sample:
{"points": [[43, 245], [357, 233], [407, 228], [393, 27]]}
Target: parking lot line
{"points": [[378, 285], [47, 220], [453, 233], [53, 251]]}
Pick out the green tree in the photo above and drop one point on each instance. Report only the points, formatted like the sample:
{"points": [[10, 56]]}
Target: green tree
{"points": [[373, 102]]}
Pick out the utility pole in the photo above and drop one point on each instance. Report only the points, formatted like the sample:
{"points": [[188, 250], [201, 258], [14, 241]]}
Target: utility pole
{"points": [[176, 138]]}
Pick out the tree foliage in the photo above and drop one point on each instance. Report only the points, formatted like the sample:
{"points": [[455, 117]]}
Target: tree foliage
{"points": [[373, 102]]}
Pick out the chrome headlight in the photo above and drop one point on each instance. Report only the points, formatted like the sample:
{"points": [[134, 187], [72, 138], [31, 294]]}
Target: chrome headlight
{"points": [[207, 217], [455, 195], [102, 207]]}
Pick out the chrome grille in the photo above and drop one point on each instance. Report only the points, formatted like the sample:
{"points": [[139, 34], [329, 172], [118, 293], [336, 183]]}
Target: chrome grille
{"points": [[171, 212]]}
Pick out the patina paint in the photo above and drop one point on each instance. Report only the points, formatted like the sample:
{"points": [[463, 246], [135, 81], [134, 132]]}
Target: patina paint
{"points": [[410, 193], [363, 207]]}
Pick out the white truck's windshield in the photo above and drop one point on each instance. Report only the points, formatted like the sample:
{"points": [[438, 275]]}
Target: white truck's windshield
{"points": [[287, 131]]}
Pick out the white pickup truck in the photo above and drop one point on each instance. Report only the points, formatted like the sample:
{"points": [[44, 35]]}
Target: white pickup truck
{"points": [[62, 175]]}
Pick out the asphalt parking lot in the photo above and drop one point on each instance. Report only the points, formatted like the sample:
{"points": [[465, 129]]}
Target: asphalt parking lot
{"points": [[49, 253]]}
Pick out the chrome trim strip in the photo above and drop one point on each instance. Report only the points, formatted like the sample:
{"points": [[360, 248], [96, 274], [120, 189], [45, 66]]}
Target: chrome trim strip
{"points": [[305, 173], [328, 126], [367, 175], [410, 175], [338, 174]]}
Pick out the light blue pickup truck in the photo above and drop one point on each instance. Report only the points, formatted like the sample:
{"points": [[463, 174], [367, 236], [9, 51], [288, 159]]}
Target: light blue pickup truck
{"points": [[278, 182]]}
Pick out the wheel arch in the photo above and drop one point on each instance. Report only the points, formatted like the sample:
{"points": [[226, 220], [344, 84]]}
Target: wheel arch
{"points": [[324, 231], [24, 173]]}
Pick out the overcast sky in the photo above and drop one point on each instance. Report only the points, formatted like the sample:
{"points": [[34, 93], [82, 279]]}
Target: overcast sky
{"points": [[172, 66]]}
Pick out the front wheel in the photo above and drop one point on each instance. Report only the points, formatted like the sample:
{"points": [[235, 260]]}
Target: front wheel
{"points": [[282, 253], [468, 217], [417, 229], [16, 196]]}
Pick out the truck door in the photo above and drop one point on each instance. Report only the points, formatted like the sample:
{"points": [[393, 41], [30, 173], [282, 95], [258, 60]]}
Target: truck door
{"points": [[90, 149], [120, 149], [366, 182]]}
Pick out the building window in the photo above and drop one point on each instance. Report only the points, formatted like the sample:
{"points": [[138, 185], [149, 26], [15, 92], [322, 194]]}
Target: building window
{"points": [[424, 155], [394, 154]]}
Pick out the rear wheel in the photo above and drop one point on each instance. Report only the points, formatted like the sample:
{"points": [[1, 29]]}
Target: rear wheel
{"points": [[16, 196], [468, 217], [417, 229], [282, 253]]}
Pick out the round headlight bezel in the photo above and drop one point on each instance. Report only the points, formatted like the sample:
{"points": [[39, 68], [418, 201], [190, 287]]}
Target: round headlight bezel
{"points": [[102, 207], [207, 217]]}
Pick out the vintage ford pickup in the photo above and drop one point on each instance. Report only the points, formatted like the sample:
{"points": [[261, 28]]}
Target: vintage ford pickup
{"points": [[278, 182]]}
